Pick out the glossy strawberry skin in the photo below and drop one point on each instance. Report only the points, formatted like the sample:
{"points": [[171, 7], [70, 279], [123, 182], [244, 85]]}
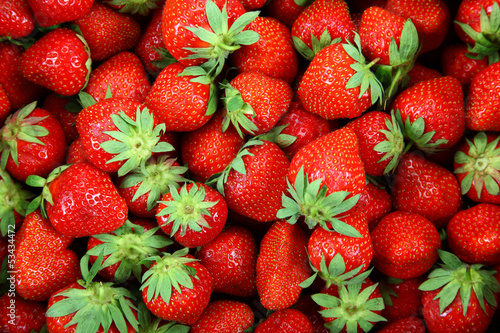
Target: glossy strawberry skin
{"points": [[406, 300], [375, 202], [468, 12], [57, 106], [224, 315], [16, 19], [50, 12], [289, 320], [28, 315], [455, 62]]}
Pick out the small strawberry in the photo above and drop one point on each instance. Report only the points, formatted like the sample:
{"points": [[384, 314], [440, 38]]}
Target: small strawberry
{"points": [[16, 19], [59, 60], [375, 202], [285, 320], [48, 12], [420, 72], [76, 153], [402, 298], [66, 111], [285, 11], [176, 287], [20, 315], [457, 61], [404, 245], [408, 324], [224, 315], [14, 201]]}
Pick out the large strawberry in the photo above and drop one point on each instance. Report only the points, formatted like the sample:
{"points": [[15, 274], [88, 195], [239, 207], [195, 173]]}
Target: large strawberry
{"points": [[59, 60], [16, 19], [32, 142], [21, 315], [234, 316], [43, 262], [49, 12]]}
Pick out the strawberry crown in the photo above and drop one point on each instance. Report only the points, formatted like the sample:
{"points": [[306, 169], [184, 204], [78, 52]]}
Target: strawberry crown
{"points": [[128, 246], [387, 291], [481, 164], [394, 146], [317, 44], [141, 7], [455, 277], [97, 304]]}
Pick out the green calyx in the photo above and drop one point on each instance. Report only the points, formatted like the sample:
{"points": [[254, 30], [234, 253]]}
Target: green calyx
{"points": [[363, 77], [351, 309], [309, 199], [487, 41], [161, 174], [187, 209], [20, 126], [223, 39], [458, 278], [394, 146], [13, 197], [481, 165], [335, 273], [317, 44], [237, 111], [170, 272], [141, 7], [98, 304], [148, 324], [135, 141], [128, 245]]}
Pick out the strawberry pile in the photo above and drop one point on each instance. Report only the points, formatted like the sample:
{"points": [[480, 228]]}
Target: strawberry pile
{"points": [[250, 166]]}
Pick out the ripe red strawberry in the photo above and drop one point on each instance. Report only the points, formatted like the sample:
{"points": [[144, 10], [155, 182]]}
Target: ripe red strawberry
{"points": [[5, 105], [404, 245], [231, 258], [483, 99], [224, 315], [473, 234], [32, 142], [123, 74], [457, 61], [321, 23], [66, 111], [48, 12], [209, 150], [273, 55], [426, 188], [76, 153], [458, 296], [254, 102], [402, 298], [121, 31], [14, 200], [16, 19], [43, 262], [408, 324], [285, 320], [176, 287], [420, 72], [20, 315], [307, 306], [375, 202], [335, 84], [285, 11], [193, 215], [59, 60], [282, 265]]}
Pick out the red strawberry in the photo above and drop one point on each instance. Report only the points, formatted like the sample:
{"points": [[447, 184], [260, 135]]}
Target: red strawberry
{"points": [[402, 298], [59, 60], [124, 76], [426, 188], [76, 153], [273, 55], [473, 234], [483, 99], [43, 261], [307, 306], [5, 105], [231, 258], [285, 320], [457, 61], [49, 12], [224, 315], [32, 143], [420, 73], [120, 33], [16, 19], [285, 11], [14, 200], [408, 324], [375, 202], [454, 296], [404, 245], [66, 111], [20, 315], [282, 265], [176, 287]]}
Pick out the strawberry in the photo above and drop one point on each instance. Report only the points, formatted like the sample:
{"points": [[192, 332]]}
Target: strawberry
{"points": [[76, 153], [335, 84], [176, 287], [32, 142], [193, 215], [426, 188], [231, 258], [118, 134], [254, 102], [48, 12], [92, 305], [5, 105], [209, 150], [16, 19], [457, 61], [66, 111], [404, 245], [80, 200], [43, 262], [420, 72], [232, 316], [321, 23], [273, 55], [151, 323], [402, 298], [120, 33], [481, 106], [14, 201], [307, 306], [21, 315], [285, 320], [123, 74], [408, 324], [59, 60], [375, 202], [282, 265], [142, 7], [473, 234], [454, 296]]}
